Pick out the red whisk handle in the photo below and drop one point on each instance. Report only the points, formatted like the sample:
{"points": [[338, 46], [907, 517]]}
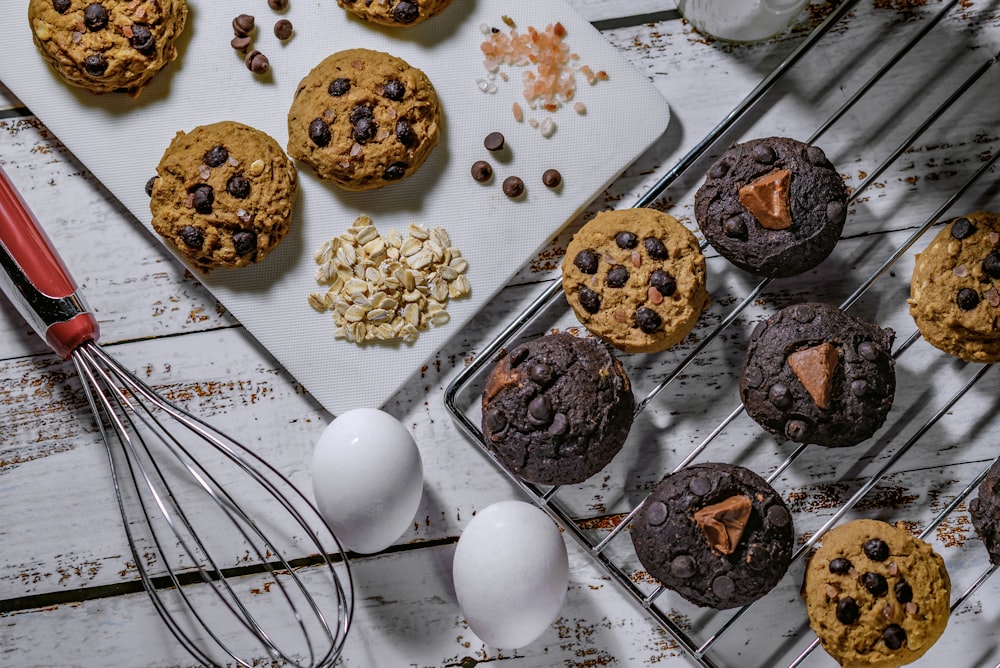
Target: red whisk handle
{"points": [[36, 279]]}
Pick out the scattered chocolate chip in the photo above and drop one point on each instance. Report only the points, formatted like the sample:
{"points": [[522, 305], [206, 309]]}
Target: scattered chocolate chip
{"points": [[513, 187], [991, 265], [586, 261], [816, 156], [541, 373], [394, 172], [664, 282], [903, 591], [95, 65], [216, 156], [617, 277], [339, 86], [764, 154], [243, 25], [283, 29], [868, 350], [700, 485], [723, 587], [191, 236], [626, 240], [894, 636], [655, 248], [656, 513], [804, 313], [876, 549], [404, 133], [364, 130], [778, 516], [683, 566], [780, 396], [149, 185], [962, 228], [95, 17], [647, 319], [967, 299], [142, 39], [835, 212], [494, 141], [482, 171], [496, 423], [797, 430], [394, 90], [718, 170], [735, 228], [203, 197], [551, 178], [360, 111], [540, 410], [758, 557], [590, 300], [257, 62], [406, 11], [859, 387], [319, 133], [841, 566], [848, 611], [560, 424], [278, 5], [241, 43], [61, 6], [875, 583], [238, 186], [244, 242]]}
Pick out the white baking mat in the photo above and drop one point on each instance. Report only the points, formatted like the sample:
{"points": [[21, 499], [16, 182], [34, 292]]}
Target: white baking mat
{"points": [[121, 140]]}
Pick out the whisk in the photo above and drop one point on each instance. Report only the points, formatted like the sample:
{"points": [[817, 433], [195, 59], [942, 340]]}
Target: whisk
{"points": [[215, 563]]}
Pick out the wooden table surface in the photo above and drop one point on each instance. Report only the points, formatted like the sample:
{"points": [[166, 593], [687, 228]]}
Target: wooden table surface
{"points": [[63, 548]]}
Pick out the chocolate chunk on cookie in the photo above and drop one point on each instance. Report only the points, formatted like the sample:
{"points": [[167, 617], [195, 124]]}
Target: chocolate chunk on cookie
{"points": [[876, 596], [395, 13], [223, 195], [985, 511], [773, 207], [364, 119], [717, 534], [814, 374], [107, 45], [557, 409], [955, 288], [635, 278]]}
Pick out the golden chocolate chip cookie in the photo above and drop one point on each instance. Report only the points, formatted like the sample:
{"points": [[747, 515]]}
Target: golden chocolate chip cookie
{"points": [[876, 596], [110, 45], [364, 119], [223, 195], [955, 289], [396, 13], [635, 278]]}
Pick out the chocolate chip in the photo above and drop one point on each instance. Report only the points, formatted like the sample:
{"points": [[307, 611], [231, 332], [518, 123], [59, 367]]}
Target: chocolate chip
{"points": [[841, 566], [202, 198], [540, 410], [724, 587], [758, 557], [241, 43], [513, 187], [278, 5], [95, 65], [482, 171], [626, 240], [551, 178], [894, 636], [683, 566], [735, 228], [903, 591], [560, 424], [718, 170], [238, 186], [216, 156], [859, 387], [699, 485], [243, 25], [244, 242], [780, 396], [804, 313], [816, 156], [364, 130], [283, 29], [656, 513], [404, 133], [61, 6], [142, 38], [764, 154], [339, 86], [876, 549], [797, 430], [395, 171], [967, 299], [257, 62], [962, 228], [835, 212], [655, 248], [95, 17], [647, 319], [991, 265], [496, 423], [590, 300], [192, 236], [778, 516], [617, 277], [541, 373], [149, 185], [394, 90], [319, 133], [586, 261], [406, 11], [848, 611], [664, 282], [868, 350], [875, 583], [360, 111], [494, 141]]}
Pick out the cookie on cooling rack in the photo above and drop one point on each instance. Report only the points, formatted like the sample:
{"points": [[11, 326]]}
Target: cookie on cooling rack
{"points": [[814, 374], [364, 119], [395, 13], [557, 409], [876, 596], [717, 534], [110, 45], [955, 288], [223, 195], [635, 278], [774, 207], [985, 512]]}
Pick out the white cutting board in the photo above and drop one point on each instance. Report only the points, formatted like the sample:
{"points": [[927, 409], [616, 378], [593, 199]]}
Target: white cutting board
{"points": [[121, 140]]}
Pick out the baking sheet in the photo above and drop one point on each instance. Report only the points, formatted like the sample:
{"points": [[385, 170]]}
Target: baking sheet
{"points": [[121, 139]]}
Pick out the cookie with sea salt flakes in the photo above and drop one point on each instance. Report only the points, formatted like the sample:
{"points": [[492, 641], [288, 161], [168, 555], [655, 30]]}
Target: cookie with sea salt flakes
{"points": [[955, 288], [774, 207], [107, 45], [717, 534], [635, 278], [223, 195], [395, 13], [364, 119], [815, 374], [876, 596]]}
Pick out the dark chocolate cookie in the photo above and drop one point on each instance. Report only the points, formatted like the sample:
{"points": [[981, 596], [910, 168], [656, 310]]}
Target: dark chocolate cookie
{"points": [[557, 409], [717, 534], [774, 207], [985, 511], [815, 374]]}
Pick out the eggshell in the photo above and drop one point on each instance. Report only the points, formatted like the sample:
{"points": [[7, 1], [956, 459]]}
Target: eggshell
{"points": [[511, 573], [367, 479]]}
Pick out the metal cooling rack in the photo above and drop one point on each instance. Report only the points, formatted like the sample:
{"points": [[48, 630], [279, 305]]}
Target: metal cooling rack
{"points": [[603, 549]]}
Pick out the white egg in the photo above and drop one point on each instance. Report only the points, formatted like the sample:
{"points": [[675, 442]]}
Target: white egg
{"points": [[511, 573], [367, 479]]}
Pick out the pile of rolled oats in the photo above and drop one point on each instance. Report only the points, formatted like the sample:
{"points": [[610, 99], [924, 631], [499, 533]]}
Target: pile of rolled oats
{"points": [[388, 288]]}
